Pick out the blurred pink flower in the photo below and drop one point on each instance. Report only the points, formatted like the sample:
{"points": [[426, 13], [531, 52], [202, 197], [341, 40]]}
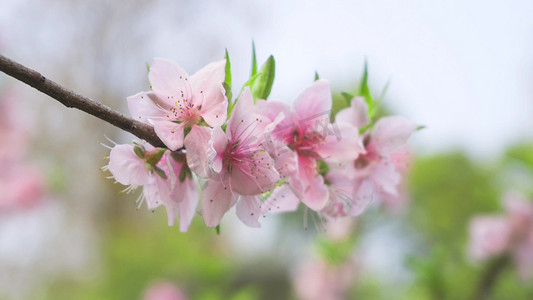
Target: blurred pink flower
{"points": [[240, 164], [509, 233], [164, 291], [22, 187], [318, 280], [307, 132]]}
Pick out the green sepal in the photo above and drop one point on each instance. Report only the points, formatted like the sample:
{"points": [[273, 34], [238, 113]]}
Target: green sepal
{"points": [[420, 127], [262, 85], [147, 68], [316, 76], [348, 97], [155, 157], [184, 173], [160, 172], [138, 151], [217, 229]]}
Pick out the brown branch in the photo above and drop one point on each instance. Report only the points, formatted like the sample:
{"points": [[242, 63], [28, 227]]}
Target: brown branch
{"points": [[71, 99]]}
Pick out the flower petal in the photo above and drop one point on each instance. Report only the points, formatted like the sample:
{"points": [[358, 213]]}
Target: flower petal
{"points": [[216, 201], [170, 133], [257, 177], [217, 146], [390, 134], [356, 114], [316, 195], [249, 210], [197, 145], [168, 79], [210, 94], [281, 200], [127, 168], [341, 144], [188, 203], [244, 123], [143, 107], [313, 105], [386, 177], [363, 196]]}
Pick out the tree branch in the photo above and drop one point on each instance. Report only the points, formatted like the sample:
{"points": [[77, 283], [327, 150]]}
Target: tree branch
{"points": [[73, 100]]}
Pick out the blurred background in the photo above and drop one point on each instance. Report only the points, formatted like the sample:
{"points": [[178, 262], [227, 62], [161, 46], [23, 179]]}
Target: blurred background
{"points": [[462, 69]]}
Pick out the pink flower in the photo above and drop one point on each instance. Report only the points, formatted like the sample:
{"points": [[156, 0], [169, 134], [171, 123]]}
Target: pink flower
{"points": [[376, 173], [510, 233], [135, 166], [22, 187], [307, 132], [318, 280], [179, 104], [164, 291], [241, 166]]}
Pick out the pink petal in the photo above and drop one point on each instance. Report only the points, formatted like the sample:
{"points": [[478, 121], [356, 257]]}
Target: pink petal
{"points": [[245, 123], [363, 196], [386, 177], [285, 160], [217, 146], [210, 94], [216, 201], [170, 133], [281, 200], [168, 79], [342, 144], [259, 179], [272, 110], [156, 192], [249, 210], [197, 145], [188, 203], [390, 134], [143, 108], [127, 168], [356, 114], [316, 195], [313, 105]]}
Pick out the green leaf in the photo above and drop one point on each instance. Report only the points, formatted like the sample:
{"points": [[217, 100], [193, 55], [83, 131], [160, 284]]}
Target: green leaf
{"points": [[262, 85], [254, 61], [348, 97], [316, 76], [364, 90], [227, 79]]}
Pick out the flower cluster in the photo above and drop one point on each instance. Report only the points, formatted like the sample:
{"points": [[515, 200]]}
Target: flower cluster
{"points": [[260, 156], [507, 234]]}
